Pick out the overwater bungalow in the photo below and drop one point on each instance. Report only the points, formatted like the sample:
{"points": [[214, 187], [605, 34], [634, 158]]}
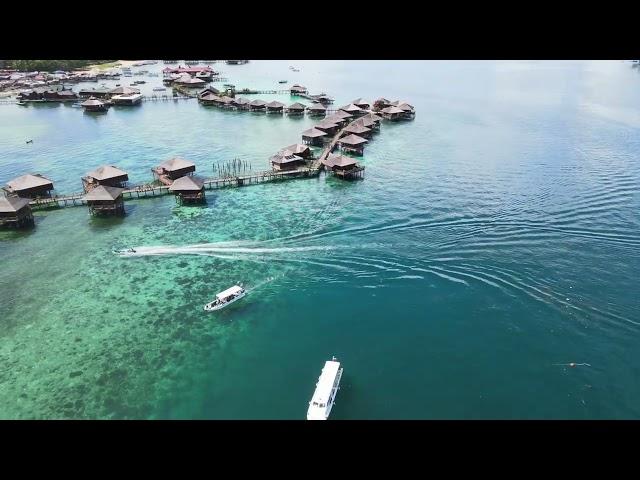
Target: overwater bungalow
{"points": [[352, 144], [409, 110], [392, 113], [48, 94], [337, 119], [226, 102], [327, 127], [188, 81], [257, 105], [241, 103], [15, 212], [297, 89], [188, 190], [174, 168], [380, 104], [130, 99], [105, 200], [342, 114], [368, 122], [107, 175], [95, 105], [296, 108], [353, 109], [209, 99], [29, 186], [300, 150], [316, 109], [123, 91], [314, 136], [363, 104], [274, 107], [324, 99], [189, 70], [342, 166], [286, 160], [359, 130], [209, 90], [102, 92]]}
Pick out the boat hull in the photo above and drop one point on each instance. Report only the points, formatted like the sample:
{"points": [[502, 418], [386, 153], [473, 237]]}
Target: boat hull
{"points": [[210, 308]]}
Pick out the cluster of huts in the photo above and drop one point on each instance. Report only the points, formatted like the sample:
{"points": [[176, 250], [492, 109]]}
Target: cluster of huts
{"points": [[103, 190], [100, 99]]}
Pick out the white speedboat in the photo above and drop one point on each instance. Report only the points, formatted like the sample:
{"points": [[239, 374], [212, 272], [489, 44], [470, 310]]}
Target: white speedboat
{"points": [[125, 252], [159, 89], [226, 298], [326, 389]]}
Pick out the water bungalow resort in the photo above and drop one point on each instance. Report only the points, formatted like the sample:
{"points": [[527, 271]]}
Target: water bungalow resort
{"points": [[188, 190], [314, 136], [15, 212], [296, 108], [352, 144], [107, 175], [286, 160], [274, 107], [29, 186], [348, 129], [95, 105], [343, 166], [172, 169], [316, 109], [105, 200]]}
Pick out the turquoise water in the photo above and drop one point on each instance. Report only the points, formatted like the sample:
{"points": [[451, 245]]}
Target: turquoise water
{"points": [[494, 237]]}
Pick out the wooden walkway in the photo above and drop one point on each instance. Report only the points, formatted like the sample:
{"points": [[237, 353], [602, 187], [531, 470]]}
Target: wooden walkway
{"points": [[153, 190]]}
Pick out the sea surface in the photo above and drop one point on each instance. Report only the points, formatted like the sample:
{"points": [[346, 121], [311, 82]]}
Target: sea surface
{"points": [[494, 240]]}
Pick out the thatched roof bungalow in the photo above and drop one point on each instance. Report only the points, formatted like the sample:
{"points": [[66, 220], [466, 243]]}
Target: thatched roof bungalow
{"points": [[327, 127], [352, 143], [15, 212], [29, 186], [108, 175], [274, 107], [188, 190], [175, 168], [296, 108], [342, 166], [241, 103], [314, 136], [257, 105], [359, 130], [363, 104], [297, 89], [286, 160], [316, 109], [105, 200], [301, 150], [392, 113]]}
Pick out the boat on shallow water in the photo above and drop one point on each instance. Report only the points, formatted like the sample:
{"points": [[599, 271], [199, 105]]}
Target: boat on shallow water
{"points": [[326, 389], [125, 252], [226, 298], [282, 81]]}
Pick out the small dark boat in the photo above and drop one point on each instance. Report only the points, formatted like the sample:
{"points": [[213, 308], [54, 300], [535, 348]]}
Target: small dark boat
{"points": [[283, 81]]}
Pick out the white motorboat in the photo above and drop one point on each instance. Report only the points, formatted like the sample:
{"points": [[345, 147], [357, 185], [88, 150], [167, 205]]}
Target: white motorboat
{"points": [[159, 89], [226, 298], [125, 252], [326, 389]]}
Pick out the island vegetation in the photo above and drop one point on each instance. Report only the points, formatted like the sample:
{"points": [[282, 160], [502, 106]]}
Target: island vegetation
{"points": [[50, 65]]}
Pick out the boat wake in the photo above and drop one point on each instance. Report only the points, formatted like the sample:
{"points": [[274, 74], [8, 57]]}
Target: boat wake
{"points": [[217, 249]]}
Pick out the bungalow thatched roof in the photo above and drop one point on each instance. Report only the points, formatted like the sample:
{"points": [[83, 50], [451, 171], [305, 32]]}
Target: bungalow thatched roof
{"points": [[12, 204], [103, 193], [357, 129], [258, 103], [26, 182], [313, 132], [392, 110], [285, 156], [106, 172], [210, 97], [241, 101], [337, 160], [274, 104], [353, 140], [343, 114], [316, 107], [92, 102], [326, 125], [296, 106], [360, 101], [297, 148], [187, 184], [351, 108], [176, 163]]}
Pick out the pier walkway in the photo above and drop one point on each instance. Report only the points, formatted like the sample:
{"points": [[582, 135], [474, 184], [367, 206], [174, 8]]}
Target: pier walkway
{"points": [[153, 190]]}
